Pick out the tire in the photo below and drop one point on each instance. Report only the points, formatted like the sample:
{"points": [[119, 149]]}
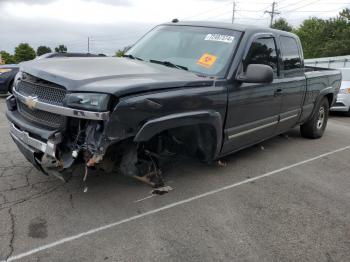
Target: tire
{"points": [[10, 87], [315, 127], [347, 113]]}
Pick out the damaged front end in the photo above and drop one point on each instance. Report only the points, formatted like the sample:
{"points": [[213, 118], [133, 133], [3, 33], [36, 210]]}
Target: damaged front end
{"points": [[59, 131]]}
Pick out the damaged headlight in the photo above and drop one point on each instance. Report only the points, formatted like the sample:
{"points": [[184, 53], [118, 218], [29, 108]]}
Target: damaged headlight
{"points": [[88, 101]]}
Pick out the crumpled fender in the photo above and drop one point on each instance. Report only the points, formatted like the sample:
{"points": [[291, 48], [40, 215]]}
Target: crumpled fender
{"points": [[157, 125]]}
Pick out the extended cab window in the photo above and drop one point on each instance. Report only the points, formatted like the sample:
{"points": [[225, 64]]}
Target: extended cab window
{"points": [[290, 55], [262, 51], [202, 50]]}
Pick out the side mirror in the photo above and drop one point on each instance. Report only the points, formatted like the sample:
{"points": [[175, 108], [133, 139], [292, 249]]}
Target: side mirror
{"points": [[257, 73]]}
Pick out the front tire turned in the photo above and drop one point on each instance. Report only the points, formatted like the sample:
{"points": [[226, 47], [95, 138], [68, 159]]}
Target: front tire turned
{"points": [[314, 128]]}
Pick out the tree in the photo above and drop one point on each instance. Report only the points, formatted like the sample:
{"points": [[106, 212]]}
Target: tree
{"points": [[345, 13], [282, 24], [61, 49], [7, 58], [24, 52], [322, 38], [121, 52], [43, 50]]}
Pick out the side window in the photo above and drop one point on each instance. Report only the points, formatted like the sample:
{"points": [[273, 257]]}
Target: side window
{"points": [[290, 55], [262, 51]]}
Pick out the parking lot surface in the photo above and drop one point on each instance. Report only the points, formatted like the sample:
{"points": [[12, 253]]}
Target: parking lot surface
{"points": [[287, 199]]}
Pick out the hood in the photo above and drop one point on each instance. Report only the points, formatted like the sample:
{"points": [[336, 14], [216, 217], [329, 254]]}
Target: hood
{"points": [[117, 76]]}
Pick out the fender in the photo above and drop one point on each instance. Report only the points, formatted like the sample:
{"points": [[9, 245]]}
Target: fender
{"points": [[157, 125], [324, 92]]}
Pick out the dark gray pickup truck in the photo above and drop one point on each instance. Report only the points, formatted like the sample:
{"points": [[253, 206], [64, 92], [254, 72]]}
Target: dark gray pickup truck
{"points": [[198, 89]]}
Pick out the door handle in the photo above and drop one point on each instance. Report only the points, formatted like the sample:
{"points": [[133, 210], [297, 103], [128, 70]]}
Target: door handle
{"points": [[278, 92]]}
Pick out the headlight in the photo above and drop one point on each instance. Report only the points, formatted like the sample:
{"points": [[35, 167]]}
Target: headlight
{"points": [[5, 70], [344, 91], [88, 101]]}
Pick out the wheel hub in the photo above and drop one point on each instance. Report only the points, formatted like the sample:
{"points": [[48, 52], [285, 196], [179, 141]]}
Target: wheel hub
{"points": [[321, 118]]}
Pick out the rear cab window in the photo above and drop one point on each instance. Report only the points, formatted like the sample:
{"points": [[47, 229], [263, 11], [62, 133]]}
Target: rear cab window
{"points": [[291, 58]]}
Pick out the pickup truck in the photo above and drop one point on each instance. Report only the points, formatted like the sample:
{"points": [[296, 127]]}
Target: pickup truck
{"points": [[196, 89]]}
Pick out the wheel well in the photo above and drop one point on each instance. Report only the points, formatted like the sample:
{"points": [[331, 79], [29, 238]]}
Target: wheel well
{"points": [[10, 86], [330, 98], [194, 140]]}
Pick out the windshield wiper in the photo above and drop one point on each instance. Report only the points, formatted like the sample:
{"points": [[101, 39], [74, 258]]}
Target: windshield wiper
{"points": [[169, 64], [133, 57]]}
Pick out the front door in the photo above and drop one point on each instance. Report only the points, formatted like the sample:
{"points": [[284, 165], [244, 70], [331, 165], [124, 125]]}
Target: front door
{"points": [[253, 109]]}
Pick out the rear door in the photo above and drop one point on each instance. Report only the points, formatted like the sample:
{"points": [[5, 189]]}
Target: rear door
{"points": [[253, 109], [293, 83]]}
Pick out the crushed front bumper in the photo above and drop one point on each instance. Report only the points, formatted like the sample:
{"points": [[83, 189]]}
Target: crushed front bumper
{"points": [[24, 137], [33, 141], [28, 152]]}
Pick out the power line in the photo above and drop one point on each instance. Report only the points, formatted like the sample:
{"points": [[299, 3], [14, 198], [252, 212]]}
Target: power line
{"points": [[206, 11], [302, 6], [292, 4]]}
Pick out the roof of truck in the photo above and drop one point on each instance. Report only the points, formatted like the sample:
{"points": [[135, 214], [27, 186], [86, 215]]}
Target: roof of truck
{"points": [[234, 26]]}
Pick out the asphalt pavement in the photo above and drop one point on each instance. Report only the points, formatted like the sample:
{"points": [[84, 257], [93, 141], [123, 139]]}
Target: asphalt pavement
{"points": [[286, 199]]}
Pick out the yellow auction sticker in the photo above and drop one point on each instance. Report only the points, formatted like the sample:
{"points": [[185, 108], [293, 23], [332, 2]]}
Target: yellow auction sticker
{"points": [[207, 60]]}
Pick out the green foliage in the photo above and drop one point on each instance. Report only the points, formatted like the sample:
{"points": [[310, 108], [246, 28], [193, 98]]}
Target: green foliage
{"points": [[322, 38], [7, 58], [61, 49], [119, 53], [24, 52], [43, 50], [345, 13], [122, 52], [282, 24]]}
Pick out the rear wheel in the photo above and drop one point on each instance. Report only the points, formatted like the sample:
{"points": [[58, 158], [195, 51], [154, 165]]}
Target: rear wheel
{"points": [[316, 126]]}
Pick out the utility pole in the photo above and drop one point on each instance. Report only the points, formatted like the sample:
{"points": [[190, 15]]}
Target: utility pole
{"points": [[233, 12], [88, 44], [272, 13]]}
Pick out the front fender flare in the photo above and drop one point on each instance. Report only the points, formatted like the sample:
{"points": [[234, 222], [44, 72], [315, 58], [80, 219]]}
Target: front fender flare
{"points": [[157, 125]]}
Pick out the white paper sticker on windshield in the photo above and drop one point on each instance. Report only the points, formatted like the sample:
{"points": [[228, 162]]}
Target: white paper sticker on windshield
{"points": [[220, 38]]}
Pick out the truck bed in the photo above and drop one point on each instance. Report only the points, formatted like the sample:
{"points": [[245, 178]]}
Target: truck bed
{"points": [[319, 79]]}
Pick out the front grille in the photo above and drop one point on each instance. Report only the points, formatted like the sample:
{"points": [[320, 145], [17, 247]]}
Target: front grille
{"points": [[42, 117], [46, 92]]}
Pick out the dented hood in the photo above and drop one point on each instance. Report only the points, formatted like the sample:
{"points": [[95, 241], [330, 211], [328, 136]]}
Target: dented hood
{"points": [[118, 76]]}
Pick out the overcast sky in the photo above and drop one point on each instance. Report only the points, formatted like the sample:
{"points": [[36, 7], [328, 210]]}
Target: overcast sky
{"points": [[113, 24]]}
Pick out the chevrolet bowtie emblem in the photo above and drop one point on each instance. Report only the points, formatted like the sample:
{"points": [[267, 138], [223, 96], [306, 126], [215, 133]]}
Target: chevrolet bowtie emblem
{"points": [[31, 102]]}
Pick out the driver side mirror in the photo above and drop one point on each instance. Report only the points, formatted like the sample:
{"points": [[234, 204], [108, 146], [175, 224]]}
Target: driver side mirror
{"points": [[256, 73]]}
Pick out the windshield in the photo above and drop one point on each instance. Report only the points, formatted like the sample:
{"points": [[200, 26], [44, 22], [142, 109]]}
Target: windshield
{"points": [[201, 50]]}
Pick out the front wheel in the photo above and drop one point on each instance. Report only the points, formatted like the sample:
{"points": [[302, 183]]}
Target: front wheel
{"points": [[316, 126], [11, 86]]}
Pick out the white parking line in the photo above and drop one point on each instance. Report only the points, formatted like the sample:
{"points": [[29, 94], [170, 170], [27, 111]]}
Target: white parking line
{"points": [[175, 204], [4, 127], [143, 199]]}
